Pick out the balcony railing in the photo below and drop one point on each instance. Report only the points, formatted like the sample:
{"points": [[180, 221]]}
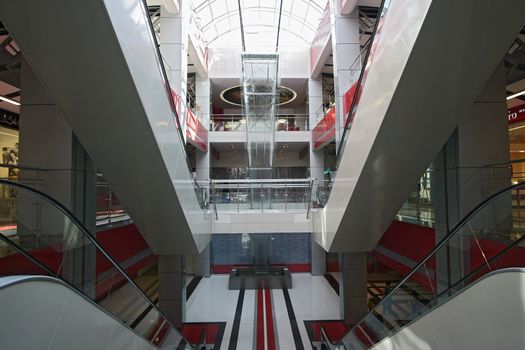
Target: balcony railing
{"points": [[255, 194], [237, 122]]}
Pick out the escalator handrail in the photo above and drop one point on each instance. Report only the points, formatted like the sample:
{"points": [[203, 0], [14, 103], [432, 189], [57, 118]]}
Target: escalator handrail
{"points": [[370, 41], [442, 243], [482, 266], [87, 234], [62, 282], [28, 256], [201, 342], [167, 86], [325, 339]]}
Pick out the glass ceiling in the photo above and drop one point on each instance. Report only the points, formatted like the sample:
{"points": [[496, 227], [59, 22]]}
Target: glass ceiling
{"points": [[219, 21]]}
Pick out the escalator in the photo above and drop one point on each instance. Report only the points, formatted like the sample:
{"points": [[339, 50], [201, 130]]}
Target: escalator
{"points": [[101, 64], [459, 271], [425, 66], [52, 268]]}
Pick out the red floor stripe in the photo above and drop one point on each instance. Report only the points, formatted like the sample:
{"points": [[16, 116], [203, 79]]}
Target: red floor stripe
{"points": [[260, 320], [270, 331]]}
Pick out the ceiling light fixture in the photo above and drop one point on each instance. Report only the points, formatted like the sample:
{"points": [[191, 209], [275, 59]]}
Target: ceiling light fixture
{"points": [[515, 95], [8, 100]]}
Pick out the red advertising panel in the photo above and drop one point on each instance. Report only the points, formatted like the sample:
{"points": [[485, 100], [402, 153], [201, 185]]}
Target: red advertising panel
{"points": [[196, 133], [324, 131], [347, 101]]}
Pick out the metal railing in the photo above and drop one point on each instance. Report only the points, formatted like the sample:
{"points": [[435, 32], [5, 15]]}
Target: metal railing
{"points": [[260, 194], [108, 209], [237, 122]]}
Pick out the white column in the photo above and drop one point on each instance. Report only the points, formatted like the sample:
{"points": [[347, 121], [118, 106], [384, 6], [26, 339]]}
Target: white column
{"points": [[345, 48], [47, 141], [315, 101], [174, 47], [202, 97]]}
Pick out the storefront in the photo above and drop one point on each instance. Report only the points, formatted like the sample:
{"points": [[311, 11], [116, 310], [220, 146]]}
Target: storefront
{"points": [[9, 138], [516, 118]]}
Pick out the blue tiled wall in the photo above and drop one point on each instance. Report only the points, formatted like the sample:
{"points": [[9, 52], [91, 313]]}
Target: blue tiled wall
{"points": [[285, 248]]}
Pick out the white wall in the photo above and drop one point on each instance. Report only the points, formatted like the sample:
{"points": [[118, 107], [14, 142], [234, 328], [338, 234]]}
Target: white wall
{"points": [[488, 315], [261, 222]]}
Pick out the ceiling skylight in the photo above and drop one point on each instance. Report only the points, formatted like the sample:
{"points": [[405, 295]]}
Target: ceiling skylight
{"points": [[219, 21]]}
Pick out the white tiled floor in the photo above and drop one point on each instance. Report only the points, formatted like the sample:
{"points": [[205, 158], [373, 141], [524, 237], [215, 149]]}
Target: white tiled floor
{"points": [[282, 322], [312, 299]]}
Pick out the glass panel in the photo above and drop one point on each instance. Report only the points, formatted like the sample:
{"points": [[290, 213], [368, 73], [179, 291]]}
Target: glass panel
{"points": [[246, 194], [57, 242], [491, 238], [14, 263]]}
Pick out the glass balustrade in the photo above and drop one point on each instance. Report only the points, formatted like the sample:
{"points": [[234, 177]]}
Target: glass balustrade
{"points": [[490, 238], [250, 194], [39, 236], [237, 122]]}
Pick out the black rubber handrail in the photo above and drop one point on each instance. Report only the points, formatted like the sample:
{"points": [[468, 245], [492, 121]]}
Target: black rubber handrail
{"points": [[341, 146], [167, 86], [443, 242], [86, 234], [325, 340]]}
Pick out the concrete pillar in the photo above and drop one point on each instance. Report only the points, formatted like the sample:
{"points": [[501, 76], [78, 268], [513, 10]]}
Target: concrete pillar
{"points": [[318, 265], [201, 263], [353, 287], [460, 179], [47, 141], [345, 48], [172, 288], [174, 47], [202, 97]]}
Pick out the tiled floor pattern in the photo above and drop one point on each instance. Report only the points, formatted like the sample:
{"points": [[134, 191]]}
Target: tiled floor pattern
{"points": [[312, 298]]}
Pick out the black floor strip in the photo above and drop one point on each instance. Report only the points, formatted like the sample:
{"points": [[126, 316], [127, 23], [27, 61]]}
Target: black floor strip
{"points": [[332, 281], [293, 322], [192, 285], [236, 322]]}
